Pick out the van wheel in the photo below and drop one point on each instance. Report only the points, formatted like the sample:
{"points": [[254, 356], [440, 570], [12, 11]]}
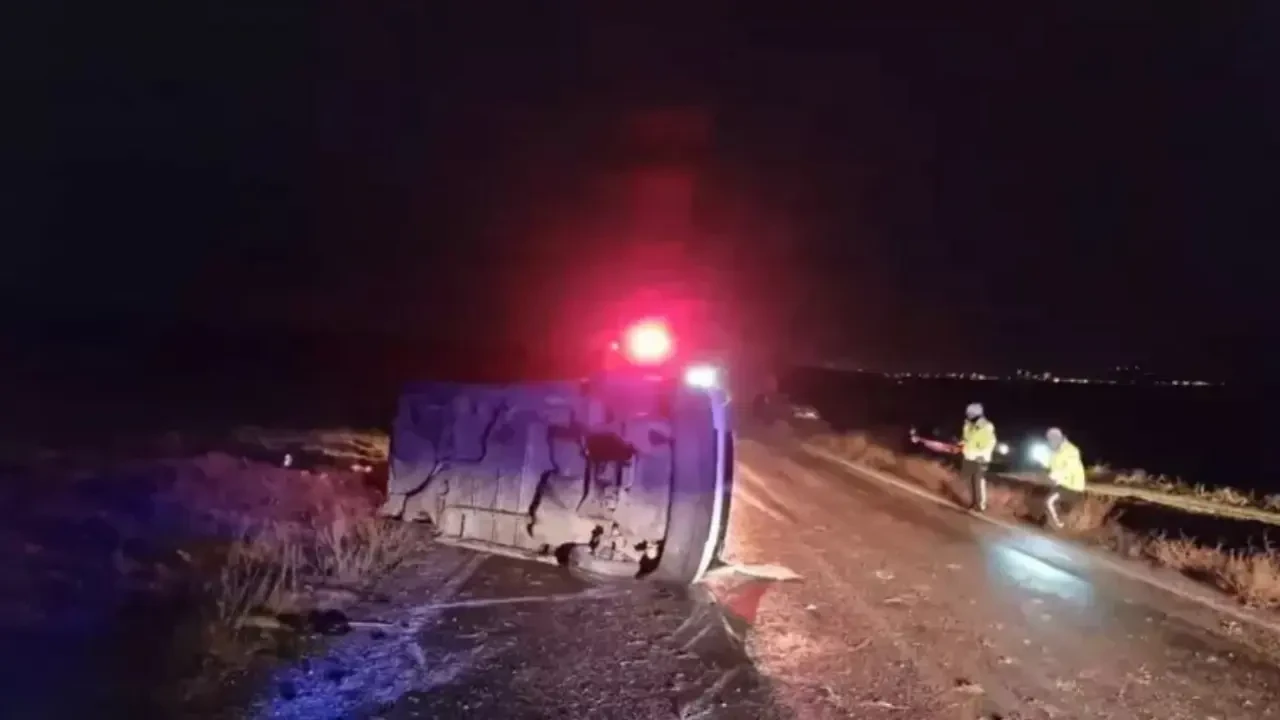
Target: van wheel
{"points": [[697, 523]]}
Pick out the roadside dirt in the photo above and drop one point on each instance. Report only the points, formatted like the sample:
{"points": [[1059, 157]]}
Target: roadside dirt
{"points": [[467, 635], [87, 632]]}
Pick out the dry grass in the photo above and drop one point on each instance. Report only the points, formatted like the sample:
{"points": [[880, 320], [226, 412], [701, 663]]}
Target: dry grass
{"points": [[1185, 555], [1253, 577], [280, 569], [256, 573], [294, 534], [859, 448], [242, 540], [931, 474], [341, 446], [1090, 514], [353, 551], [1009, 502], [1123, 541], [850, 445], [880, 458], [1231, 497]]}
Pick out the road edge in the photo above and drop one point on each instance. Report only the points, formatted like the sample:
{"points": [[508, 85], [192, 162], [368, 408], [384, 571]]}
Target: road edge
{"points": [[1200, 598]]}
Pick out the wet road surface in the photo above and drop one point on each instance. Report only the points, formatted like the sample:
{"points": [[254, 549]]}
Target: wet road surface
{"points": [[909, 609], [905, 610]]}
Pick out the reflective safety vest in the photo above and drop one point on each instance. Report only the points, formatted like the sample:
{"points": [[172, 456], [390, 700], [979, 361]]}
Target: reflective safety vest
{"points": [[1066, 468], [979, 440]]}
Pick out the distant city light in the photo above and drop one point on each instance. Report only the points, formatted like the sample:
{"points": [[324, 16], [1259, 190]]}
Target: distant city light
{"points": [[1131, 375], [1022, 376]]}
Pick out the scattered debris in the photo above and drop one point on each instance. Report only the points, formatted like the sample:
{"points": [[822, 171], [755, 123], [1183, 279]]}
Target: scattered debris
{"points": [[779, 573], [419, 656], [370, 625], [703, 705], [884, 575], [582, 558], [320, 622], [262, 622], [884, 704]]}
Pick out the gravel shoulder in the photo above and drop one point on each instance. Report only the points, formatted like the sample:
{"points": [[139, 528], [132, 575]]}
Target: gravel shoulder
{"points": [[465, 635]]}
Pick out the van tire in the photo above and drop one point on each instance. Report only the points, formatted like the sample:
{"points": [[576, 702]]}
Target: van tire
{"points": [[693, 515]]}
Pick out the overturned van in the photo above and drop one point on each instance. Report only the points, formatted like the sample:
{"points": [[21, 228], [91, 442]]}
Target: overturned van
{"points": [[626, 472]]}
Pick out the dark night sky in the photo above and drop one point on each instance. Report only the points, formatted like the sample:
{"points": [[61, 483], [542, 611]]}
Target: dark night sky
{"points": [[1074, 187]]}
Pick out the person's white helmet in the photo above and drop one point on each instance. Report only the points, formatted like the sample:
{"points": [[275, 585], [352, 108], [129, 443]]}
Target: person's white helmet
{"points": [[973, 411], [1055, 436]]}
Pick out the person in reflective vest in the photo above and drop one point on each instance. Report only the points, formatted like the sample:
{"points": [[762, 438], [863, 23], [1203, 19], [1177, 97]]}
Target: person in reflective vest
{"points": [[1066, 473], [977, 445]]}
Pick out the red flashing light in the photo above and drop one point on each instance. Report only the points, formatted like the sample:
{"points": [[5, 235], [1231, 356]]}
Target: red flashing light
{"points": [[648, 342]]}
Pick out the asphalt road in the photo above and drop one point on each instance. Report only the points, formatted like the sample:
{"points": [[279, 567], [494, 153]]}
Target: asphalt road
{"points": [[910, 609]]}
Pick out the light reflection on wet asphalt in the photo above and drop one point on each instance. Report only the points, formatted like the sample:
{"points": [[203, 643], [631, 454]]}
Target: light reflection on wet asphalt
{"points": [[1009, 562]]}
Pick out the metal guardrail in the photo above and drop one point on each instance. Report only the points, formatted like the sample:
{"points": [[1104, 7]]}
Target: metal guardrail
{"points": [[1185, 503]]}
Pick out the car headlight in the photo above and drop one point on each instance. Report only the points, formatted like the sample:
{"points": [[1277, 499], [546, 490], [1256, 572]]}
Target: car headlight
{"points": [[702, 376], [1002, 449]]}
